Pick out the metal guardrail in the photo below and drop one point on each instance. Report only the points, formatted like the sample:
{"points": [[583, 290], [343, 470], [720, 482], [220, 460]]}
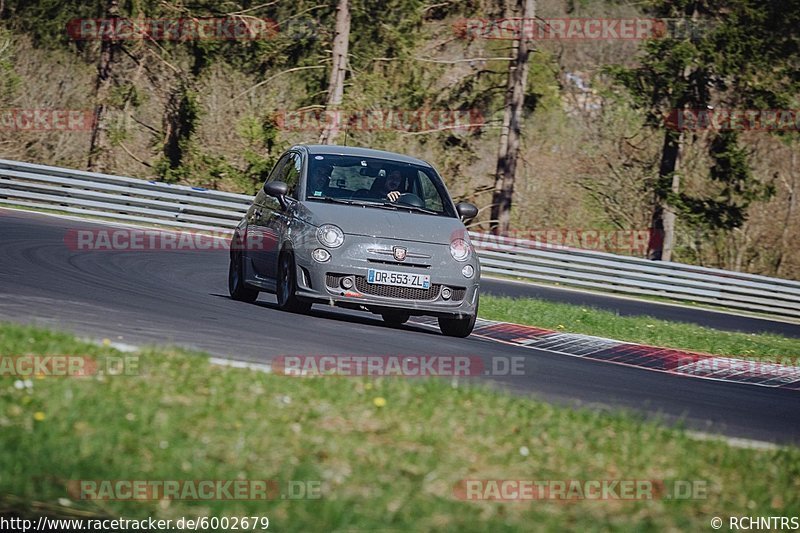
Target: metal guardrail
{"points": [[632, 275], [119, 197], [178, 206]]}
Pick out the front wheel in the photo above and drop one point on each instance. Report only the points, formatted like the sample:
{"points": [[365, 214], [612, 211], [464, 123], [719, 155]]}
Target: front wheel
{"points": [[457, 327], [395, 318], [287, 286], [236, 287]]}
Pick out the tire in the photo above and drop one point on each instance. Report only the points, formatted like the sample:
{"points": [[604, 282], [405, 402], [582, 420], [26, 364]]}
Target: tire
{"points": [[395, 318], [458, 327], [287, 286], [236, 287]]}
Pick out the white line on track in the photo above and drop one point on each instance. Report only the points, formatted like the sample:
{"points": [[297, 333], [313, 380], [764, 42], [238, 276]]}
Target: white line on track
{"points": [[734, 442], [258, 367]]}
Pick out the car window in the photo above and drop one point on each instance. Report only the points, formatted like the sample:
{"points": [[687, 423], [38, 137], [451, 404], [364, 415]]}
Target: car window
{"points": [[428, 192], [290, 172], [278, 168], [372, 179]]}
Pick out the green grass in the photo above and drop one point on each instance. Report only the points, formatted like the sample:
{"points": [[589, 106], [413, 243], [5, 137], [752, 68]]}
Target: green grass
{"points": [[391, 467], [640, 329], [640, 297]]}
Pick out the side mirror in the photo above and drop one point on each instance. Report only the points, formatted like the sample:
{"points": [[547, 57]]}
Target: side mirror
{"points": [[466, 210], [277, 189]]}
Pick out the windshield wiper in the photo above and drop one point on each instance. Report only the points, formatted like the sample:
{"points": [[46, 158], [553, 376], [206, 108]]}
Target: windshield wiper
{"points": [[379, 205], [331, 199], [413, 208]]}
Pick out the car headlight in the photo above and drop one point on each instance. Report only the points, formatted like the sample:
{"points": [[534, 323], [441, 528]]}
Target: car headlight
{"points": [[321, 255], [330, 235], [460, 249]]}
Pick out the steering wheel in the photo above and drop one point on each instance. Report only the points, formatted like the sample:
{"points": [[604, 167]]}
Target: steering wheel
{"points": [[410, 199]]}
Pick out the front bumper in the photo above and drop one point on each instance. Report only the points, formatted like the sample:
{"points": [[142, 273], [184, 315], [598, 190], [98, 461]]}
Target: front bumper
{"points": [[322, 282]]}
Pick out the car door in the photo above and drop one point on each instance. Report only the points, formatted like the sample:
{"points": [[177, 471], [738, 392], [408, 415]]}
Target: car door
{"points": [[260, 236], [274, 219]]}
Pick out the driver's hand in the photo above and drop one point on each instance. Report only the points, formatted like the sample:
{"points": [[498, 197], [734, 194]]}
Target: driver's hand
{"points": [[393, 196]]}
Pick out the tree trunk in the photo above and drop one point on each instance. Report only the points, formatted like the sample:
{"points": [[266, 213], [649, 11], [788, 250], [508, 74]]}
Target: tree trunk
{"points": [[669, 214], [341, 42], [180, 122], [787, 220], [508, 153], [100, 144], [662, 227]]}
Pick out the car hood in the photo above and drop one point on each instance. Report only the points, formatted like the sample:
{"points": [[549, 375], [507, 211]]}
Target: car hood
{"points": [[377, 222]]}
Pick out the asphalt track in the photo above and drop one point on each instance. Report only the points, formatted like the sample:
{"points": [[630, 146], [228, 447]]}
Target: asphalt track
{"points": [[180, 297]]}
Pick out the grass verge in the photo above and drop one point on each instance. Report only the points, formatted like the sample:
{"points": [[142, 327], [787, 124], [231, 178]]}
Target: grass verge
{"points": [[703, 306], [640, 329], [386, 453]]}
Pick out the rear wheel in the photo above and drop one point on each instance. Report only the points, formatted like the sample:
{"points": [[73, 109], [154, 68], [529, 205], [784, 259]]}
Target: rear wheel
{"points": [[395, 318], [236, 287], [287, 286]]}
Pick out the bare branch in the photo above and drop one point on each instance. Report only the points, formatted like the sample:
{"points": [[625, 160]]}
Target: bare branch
{"points": [[434, 6], [254, 8], [470, 126], [444, 61], [259, 84], [125, 148]]}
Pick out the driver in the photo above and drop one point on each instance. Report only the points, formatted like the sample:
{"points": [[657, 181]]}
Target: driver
{"points": [[319, 181], [391, 185]]}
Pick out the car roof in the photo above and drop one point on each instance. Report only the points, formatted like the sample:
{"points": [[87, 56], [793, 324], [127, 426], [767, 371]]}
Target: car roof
{"points": [[357, 151]]}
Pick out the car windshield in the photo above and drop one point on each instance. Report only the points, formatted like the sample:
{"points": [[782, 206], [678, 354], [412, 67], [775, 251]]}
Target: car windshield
{"points": [[379, 182]]}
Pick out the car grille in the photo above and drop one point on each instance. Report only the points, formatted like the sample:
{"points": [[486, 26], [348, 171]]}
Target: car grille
{"points": [[401, 293]]}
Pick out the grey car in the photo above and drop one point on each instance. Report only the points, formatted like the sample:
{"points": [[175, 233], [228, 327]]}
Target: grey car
{"points": [[362, 229]]}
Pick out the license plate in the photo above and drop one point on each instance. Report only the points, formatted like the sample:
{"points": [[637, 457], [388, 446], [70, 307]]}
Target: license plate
{"points": [[398, 279]]}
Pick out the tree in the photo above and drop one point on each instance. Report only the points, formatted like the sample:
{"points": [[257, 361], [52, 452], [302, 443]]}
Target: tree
{"points": [[180, 121], [508, 153], [341, 44], [741, 60], [100, 143], [672, 77]]}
